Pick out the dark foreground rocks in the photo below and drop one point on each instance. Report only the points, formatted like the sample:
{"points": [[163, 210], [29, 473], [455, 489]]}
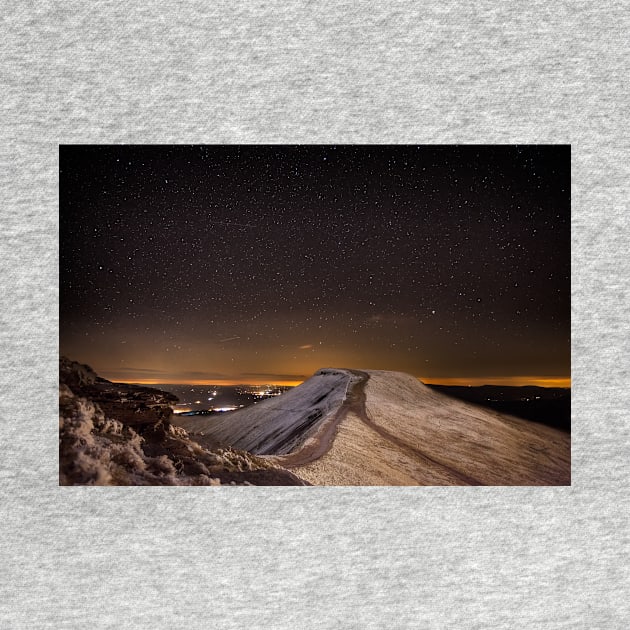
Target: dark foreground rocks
{"points": [[119, 434]]}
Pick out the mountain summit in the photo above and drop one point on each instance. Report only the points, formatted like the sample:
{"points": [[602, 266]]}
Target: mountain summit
{"points": [[373, 427]]}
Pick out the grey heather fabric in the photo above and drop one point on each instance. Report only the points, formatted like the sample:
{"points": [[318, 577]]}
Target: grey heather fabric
{"points": [[314, 72]]}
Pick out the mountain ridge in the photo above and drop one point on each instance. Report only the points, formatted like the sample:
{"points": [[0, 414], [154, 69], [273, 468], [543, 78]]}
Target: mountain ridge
{"points": [[390, 428]]}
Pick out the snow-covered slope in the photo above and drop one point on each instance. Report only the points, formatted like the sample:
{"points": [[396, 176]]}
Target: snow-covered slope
{"points": [[345, 427], [277, 425], [490, 447], [403, 432]]}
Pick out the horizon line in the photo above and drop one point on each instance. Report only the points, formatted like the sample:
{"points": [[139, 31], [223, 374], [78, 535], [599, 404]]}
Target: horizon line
{"points": [[472, 381]]}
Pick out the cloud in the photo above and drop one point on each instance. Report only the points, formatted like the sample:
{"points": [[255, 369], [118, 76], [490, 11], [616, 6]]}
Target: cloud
{"points": [[136, 371], [202, 375], [282, 377], [149, 373]]}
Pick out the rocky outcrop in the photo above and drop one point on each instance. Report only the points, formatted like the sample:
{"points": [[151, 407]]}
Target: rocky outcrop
{"points": [[120, 434], [75, 374]]}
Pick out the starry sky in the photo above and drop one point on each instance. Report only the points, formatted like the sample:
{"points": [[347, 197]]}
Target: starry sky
{"points": [[262, 264]]}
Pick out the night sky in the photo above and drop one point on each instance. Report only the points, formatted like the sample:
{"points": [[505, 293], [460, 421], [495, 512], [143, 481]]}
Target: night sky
{"points": [[252, 264]]}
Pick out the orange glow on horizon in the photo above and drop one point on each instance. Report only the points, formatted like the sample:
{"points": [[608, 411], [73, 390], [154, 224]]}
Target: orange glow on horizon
{"points": [[514, 381], [218, 381], [473, 381]]}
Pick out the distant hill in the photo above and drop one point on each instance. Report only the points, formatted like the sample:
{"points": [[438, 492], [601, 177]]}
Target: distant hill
{"points": [[548, 405]]}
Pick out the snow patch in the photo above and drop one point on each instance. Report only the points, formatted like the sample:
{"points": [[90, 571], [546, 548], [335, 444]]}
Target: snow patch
{"points": [[278, 425], [95, 450]]}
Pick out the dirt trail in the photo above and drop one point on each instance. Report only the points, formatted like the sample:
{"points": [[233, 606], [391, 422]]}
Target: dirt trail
{"points": [[401, 444], [321, 442]]}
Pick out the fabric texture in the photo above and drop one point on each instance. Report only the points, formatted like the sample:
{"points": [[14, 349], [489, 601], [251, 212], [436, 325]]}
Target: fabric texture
{"points": [[314, 72]]}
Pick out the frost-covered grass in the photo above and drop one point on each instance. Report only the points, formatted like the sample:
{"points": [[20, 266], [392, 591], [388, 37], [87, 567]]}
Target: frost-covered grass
{"points": [[493, 448], [420, 436]]}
